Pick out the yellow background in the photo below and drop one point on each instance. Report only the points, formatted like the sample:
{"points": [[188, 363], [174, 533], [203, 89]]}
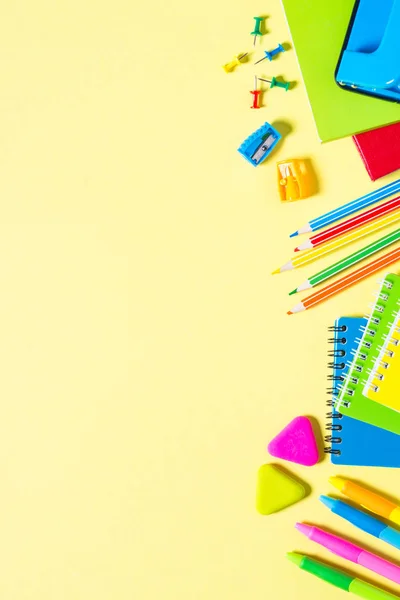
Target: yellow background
{"points": [[147, 358]]}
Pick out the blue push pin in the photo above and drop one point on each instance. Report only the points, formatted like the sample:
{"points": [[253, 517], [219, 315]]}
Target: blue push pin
{"points": [[270, 54]]}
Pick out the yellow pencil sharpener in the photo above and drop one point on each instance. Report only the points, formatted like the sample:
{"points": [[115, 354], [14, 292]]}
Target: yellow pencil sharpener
{"points": [[294, 179]]}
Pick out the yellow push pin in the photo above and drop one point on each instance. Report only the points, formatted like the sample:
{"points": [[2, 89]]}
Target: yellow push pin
{"points": [[230, 66]]}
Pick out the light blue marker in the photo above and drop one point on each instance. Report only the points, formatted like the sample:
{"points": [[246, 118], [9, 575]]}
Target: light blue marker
{"points": [[363, 521], [351, 207]]}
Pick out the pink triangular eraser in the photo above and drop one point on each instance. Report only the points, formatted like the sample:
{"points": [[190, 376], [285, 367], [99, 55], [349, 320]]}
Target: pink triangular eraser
{"points": [[296, 443]]}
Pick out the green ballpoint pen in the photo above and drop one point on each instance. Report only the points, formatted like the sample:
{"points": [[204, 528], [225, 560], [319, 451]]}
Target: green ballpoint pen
{"points": [[339, 578]]}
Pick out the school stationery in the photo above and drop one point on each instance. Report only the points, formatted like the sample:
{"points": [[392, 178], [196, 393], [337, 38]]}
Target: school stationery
{"points": [[295, 179], [350, 441], [235, 62], [366, 217], [368, 63], [276, 490], [351, 552], [339, 578], [380, 150], [273, 82], [349, 261], [367, 499], [259, 144], [271, 53], [304, 258], [363, 521], [296, 443], [318, 30], [383, 383], [257, 28], [350, 400], [347, 281], [349, 208], [256, 93]]}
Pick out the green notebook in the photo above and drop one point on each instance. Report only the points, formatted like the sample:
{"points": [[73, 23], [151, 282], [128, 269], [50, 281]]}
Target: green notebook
{"points": [[351, 401], [318, 29]]}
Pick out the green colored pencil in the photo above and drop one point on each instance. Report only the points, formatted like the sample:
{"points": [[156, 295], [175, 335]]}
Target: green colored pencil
{"points": [[350, 261]]}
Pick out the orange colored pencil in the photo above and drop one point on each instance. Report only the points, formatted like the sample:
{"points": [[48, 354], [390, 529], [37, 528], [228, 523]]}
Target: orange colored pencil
{"points": [[346, 282]]}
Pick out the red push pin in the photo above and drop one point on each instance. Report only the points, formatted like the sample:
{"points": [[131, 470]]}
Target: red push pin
{"points": [[256, 94]]}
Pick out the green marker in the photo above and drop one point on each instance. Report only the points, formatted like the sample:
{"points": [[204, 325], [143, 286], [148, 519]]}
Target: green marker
{"points": [[339, 578], [350, 261]]}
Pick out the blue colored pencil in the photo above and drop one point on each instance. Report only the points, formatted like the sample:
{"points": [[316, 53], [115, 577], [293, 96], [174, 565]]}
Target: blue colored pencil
{"points": [[349, 208]]}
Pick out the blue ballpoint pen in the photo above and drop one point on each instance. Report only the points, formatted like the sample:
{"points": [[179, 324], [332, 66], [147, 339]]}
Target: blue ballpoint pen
{"points": [[363, 521]]}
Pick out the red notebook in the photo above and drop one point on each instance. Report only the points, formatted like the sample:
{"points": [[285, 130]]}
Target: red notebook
{"points": [[380, 150]]}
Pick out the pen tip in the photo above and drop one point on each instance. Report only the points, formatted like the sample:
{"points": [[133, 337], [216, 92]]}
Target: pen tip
{"points": [[329, 502], [292, 292], [337, 482], [295, 558], [294, 234], [289, 312], [276, 271], [303, 528], [297, 249]]}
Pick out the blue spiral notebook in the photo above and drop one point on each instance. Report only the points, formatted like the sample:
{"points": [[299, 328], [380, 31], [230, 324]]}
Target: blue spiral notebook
{"points": [[353, 442]]}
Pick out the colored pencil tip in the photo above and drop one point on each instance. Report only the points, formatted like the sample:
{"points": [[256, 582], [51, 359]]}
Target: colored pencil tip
{"points": [[297, 249], [276, 271], [289, 312], [294, 234], [293, 292]]}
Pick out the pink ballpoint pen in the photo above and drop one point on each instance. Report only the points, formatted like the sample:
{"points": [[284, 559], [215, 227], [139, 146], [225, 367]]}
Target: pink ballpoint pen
{"points": [[351, 552]]}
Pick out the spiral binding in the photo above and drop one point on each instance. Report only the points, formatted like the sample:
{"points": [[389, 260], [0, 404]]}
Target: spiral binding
{"points": [[333, 417]]}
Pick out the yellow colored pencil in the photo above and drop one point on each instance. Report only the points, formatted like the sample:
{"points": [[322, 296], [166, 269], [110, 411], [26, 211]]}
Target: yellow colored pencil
{"points": [[309, 256]]}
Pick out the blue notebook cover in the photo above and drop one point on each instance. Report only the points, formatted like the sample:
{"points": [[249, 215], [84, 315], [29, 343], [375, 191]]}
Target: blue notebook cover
{"points": [[353, 442]]}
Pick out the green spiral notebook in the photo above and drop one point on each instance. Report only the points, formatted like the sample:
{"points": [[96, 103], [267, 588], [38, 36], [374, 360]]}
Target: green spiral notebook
{"points": [[350, 400], [318, 29]]}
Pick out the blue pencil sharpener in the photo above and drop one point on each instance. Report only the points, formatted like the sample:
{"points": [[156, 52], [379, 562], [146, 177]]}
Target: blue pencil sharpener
{"points": [[260, 144], [369, 62]]}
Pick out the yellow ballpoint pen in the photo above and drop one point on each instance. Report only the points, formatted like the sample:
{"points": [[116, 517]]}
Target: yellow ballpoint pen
{"points": [[370, 500]]}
